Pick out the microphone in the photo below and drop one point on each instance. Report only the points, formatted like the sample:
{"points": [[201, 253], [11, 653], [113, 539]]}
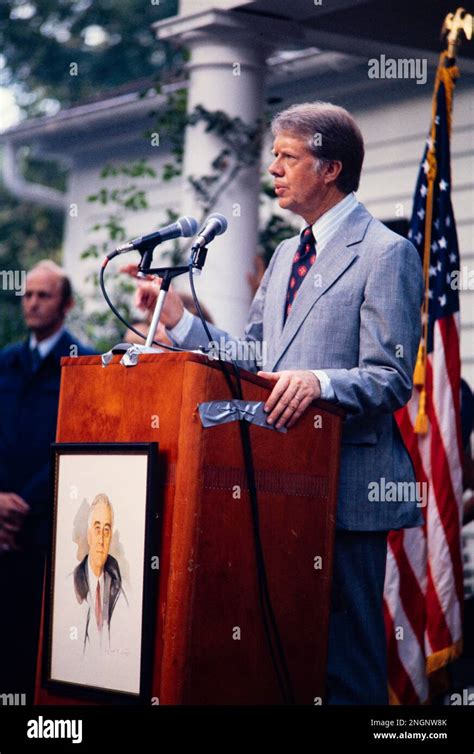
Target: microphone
{"points": [[185, 226], [215, 225]]}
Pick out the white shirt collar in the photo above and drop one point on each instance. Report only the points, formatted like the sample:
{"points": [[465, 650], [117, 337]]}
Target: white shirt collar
{"points": [[46, 345], [327, 225]]}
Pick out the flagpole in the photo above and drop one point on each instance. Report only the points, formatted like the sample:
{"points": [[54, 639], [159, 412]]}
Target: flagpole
{"points": [[454, 26]]}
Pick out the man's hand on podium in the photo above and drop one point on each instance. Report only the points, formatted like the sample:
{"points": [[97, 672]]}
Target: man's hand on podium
{"points": [[146, 296], [293, 392]]}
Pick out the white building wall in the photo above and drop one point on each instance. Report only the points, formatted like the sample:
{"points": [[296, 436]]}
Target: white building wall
{"points": [[395, 136]]}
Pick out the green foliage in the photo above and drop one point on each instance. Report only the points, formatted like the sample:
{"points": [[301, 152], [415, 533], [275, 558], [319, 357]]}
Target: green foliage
{"points": [[176, 255], [29, 233], [241, 145], [100, 325], [170, 123], [111, 41], [274, 232], [39, 40], [276, 229]]}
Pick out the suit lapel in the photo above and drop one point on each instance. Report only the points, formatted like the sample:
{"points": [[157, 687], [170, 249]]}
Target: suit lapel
{"points": [[52, 362], [280, 289], [338, 255], [61, 348], [23, 354]]}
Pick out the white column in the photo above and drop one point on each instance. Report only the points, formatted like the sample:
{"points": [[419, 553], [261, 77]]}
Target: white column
{"points": [[227, 67], [225, 75]]}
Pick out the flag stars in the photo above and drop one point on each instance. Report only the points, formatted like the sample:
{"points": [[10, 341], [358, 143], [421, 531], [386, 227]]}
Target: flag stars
{"points": [[439, 224]]}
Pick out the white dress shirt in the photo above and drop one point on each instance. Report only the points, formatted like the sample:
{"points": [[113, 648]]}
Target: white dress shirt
{"points": [[46, 345], [95, 635]]}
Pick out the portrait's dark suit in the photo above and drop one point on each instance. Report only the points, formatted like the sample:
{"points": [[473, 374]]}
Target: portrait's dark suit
{"points": [[112, 589], [356, 317], [28, 415]]}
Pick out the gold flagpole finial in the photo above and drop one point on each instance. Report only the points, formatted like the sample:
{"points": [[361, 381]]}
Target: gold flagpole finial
{"points": [[453, 26]]}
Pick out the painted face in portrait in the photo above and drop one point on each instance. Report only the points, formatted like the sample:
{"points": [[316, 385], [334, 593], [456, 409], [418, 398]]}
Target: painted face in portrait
{"points": [[99, 535]]}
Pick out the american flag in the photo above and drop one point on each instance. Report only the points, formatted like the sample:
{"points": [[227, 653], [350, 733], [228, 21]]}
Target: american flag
{"points": [[424, 580]]}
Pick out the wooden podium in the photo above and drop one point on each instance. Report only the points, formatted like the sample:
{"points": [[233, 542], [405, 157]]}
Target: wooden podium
{"points": [[207, 577]]}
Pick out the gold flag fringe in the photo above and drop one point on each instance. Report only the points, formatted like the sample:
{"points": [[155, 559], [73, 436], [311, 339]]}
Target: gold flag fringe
{"points": [[447, 76]]}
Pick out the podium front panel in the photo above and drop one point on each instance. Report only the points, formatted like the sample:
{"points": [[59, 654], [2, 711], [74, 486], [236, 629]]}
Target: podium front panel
{"points": [[210, 645]]}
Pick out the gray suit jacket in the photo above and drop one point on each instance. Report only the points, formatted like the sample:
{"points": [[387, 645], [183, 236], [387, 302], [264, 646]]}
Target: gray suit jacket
{"points": [[357, 317]]}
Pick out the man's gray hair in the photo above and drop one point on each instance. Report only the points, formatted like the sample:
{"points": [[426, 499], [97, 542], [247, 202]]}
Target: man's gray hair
{"points": [[100, 498], [331, 134]]}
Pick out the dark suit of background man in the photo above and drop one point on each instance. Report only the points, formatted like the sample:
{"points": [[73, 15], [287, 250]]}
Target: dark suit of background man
{"points": [[29, 392], [339, 311]]}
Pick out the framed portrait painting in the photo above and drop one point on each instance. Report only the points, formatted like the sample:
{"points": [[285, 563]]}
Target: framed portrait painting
{"points": [[100, 590]]}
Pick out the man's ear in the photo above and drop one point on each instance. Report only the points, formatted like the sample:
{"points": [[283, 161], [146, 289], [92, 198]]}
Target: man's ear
{"points": [[67, 306], [332, 171]]}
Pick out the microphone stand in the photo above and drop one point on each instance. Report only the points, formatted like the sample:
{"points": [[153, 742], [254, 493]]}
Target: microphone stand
{"points": [[166, 274], [198, 257]]}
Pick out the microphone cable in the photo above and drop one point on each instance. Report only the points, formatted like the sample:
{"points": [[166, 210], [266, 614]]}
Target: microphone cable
{"points": [[123, 320], [272, 633]]}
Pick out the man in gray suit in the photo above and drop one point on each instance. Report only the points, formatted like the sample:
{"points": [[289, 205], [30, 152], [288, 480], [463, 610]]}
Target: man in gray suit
{"points": [[339, 312]]}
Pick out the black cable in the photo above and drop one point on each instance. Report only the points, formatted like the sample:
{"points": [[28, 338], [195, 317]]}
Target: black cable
{"points": [[264, 592], [269, 622], [124, 321]]}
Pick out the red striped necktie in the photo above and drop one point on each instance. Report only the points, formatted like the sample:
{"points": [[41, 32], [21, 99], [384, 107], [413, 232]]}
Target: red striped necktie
{"points": [[303, 260], [98, 607]]}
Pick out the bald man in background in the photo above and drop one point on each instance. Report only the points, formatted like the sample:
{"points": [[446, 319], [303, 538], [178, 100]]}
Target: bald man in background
{"points": [[29, 393]]}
